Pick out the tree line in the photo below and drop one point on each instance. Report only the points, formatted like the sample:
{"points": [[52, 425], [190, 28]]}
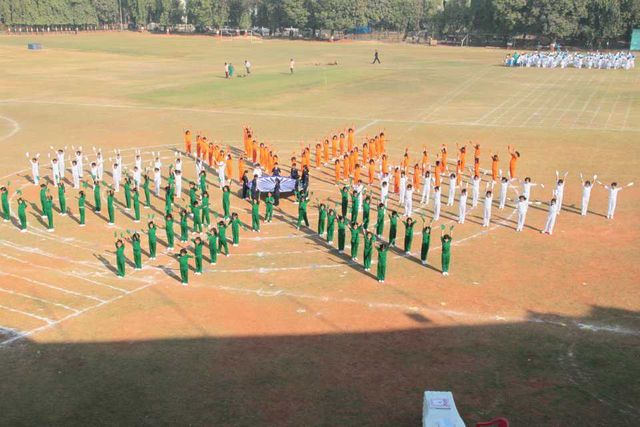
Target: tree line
{"points": [[592, 22]]}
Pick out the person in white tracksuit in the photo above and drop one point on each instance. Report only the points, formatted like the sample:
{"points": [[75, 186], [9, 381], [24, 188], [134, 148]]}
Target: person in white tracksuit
{"points": [[504, 187], [221, 170], [613, 197], [475, 190], [115, 170], [486, 215], [527, 185], [138, 160], [35, 168], [452, 189], [403, 188], [79, 161], [384, 192], [157, 181], [587, 186], [427, 182], [408, 201], [437, 203], [93, 171], [551, 217], [60, 163], [137, 176], [559, 191], [522, 206], [55, 171], [75, 174], [178, 176], [462, 206], [100, 165]]}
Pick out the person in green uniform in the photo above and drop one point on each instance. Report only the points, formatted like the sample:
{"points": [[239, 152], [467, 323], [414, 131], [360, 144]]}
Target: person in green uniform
{"points": [[446, 238], [255, 215], [183, 260], [168, 226], [344, 193], [235, 229], [302, 212], [222, 237], [193, 193], [380, 214], [184, 226], [342, 232], [198, 244], [120, 259], [171, 183], [48, 211], [196, 210], [137, 250], [136, 205], [408, 234], [393, 227], [206, 209], [355, 205], [369, 240], [203, 181], [6, 211], [382, 262], [147, 191], [212, 237], [322, 218], [97, 199], [366, 212], [127, 192], [426, 239], [110, 208], [168, 202], [355, 239], [22, 214], [226, 201], [269, 202], [43, 198], [62, 199], [81, 202], [331, 221], [151, 232]]}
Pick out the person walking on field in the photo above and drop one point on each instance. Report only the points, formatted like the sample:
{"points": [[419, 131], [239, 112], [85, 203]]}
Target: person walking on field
{"points": [[376, 58], [292, 64]]}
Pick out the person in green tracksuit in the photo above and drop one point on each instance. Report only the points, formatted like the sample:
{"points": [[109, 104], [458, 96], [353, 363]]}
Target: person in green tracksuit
{"points": [[355, 239], [382, 262], [81, 202], [62, 199], [147, 191], [127, 192], [331, 224], [120, 259], [355, 206], [168, 202], [203, 181], [222, 237], [48, 211], [212, 237], [302, 212], [198, 244], [153, 239], [183, 260], [110, 208], [322, 218], [446, 238], [226, 201], [171, 183], [342, 232], [269, 202], [184, 226], [235, 229], [137, 250], [206, 209], [193, 193], [136, 205], [196, 210], [344, 204], [426, 240], [6, 211], [408, 234], [168, 227], [255, 215], [43, 198], [366, 212], [22, 214], [97, 199], [369, 240], [393, 227], [380, 215]]}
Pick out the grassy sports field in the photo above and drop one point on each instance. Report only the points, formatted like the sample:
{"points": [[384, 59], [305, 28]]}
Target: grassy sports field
{"points": [[544, 330]]}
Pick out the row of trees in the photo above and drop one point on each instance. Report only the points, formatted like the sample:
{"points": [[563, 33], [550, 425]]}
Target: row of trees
{"points": [[592, 21]]}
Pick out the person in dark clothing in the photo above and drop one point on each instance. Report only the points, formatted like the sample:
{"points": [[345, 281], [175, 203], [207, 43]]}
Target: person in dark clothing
{"points": [[255, 194], [305, 179], [276, 193], [276, 170], [375, 57], [245, 186], [296, 176]]}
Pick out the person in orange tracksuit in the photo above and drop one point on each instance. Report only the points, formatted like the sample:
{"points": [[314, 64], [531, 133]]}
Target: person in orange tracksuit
{"points": [[210, 151], [376, 146], [350, 138], [345, 166], [459, 172], [356, 172], [187, 141], [342, 143], [425, 160], [334, 147], [353, 158], [515, 155], [396, 180], [494, 166], [443, 158], [240, 167], [372, 149], [476, 166], [437, 171], [385, 163], [229, 165], [416, 176], [365, 153], [307, 157], [404, 163], [254, 148], [325, 151], [476, 150], [337, 170], [383, 141], [198, 146], [372, 171], [318, 155], [462, 153]]}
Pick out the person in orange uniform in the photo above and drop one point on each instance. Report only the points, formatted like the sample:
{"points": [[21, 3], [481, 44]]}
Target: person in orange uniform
{"points": [[383, 148], [318, 155], [425, 160], [416, 176], [515, 155], [342, 143], [325, 151], [365, 153], [254, 150], [495, 162], [396, 180], [385, 163], [240, 167], [187, 141], [356, 172], [198, 143], [334, 146], [443, 158], [372, 149], [350, 138], [337, 170], [437, 171], [476, 166], [372, 171], [462, 153], [345, 166]]}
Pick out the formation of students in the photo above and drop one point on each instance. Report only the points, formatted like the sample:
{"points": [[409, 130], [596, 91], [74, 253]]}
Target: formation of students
{"points": [[402, 180], [564, 59]]}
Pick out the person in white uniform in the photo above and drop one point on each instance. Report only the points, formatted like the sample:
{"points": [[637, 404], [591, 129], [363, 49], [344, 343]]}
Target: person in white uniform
{"points": [[587, 186], [427, 182], [551, 217], [614, 189]]}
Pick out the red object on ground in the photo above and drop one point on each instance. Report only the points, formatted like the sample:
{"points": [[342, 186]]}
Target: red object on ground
{"points": [[496, 422]]}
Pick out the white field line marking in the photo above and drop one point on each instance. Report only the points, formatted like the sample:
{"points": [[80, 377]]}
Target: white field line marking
{"points": [[15, 127], [533, 98], [602, 97], [66, 307], [632, 97], [615, 103], [559, 100], [573, 101], [544, 106], [587, 103], [371, 123], [66, 291], [71, 316], [25, 313]]}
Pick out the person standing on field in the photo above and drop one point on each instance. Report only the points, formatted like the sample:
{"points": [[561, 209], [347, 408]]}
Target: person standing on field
{"points": [[247, 66], [376, 58], [292, 64]]}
